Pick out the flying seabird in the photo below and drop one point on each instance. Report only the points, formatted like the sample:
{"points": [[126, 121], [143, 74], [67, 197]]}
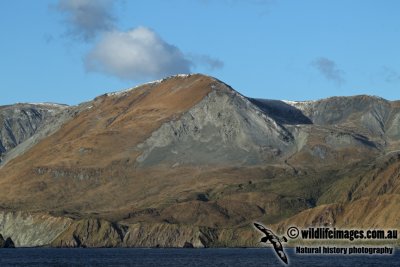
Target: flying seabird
{"points": [[275, 241]]}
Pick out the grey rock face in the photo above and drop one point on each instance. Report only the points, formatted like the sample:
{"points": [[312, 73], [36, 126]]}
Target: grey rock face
{"points": [[366, 113], [355, 122], [393, 127], [225, 127], [21, 121], [30, 230]]}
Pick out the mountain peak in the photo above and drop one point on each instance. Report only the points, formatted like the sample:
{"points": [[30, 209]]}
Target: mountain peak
{"points": [[177, 77]]}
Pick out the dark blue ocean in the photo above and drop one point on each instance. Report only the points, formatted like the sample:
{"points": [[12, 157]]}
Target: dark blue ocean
{"points": [[180, 257]]}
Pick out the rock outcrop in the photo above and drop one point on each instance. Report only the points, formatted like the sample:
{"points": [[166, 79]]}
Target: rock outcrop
{"points": [[8, 243], [90, 233], [32, 229]]}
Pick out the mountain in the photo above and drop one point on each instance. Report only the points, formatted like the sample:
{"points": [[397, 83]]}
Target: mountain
{"points": [[188, 159]]}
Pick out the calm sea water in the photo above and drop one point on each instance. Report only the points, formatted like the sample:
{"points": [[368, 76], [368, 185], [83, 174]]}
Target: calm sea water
{"points": [[180, 257]]}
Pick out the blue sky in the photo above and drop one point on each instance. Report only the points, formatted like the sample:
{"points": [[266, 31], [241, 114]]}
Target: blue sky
{"points": [[70, 51]]}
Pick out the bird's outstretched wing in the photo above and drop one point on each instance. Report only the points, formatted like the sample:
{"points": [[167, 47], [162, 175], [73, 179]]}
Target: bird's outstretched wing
{"points": [[279, 249], [261, 228]]}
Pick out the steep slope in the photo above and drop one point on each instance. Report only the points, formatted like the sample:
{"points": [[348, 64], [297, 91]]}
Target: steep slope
{"points": [[192, 157], [224, 127], [21, 121], [365, 114], [335, 131]]}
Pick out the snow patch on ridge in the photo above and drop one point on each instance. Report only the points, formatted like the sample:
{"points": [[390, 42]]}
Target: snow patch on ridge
{"points": [[49, 104], [302, 105], [117, 93]]}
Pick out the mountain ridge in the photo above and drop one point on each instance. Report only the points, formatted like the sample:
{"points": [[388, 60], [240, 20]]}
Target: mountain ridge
{"points": [[189, 152]]}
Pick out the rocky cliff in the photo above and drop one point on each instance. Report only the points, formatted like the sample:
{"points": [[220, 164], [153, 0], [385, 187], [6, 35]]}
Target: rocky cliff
{"points": [[32, 229], [40, 229]]}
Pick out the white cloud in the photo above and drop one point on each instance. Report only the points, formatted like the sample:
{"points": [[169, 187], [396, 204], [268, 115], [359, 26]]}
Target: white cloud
{"points": [[86, 18], [140, 54]]}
